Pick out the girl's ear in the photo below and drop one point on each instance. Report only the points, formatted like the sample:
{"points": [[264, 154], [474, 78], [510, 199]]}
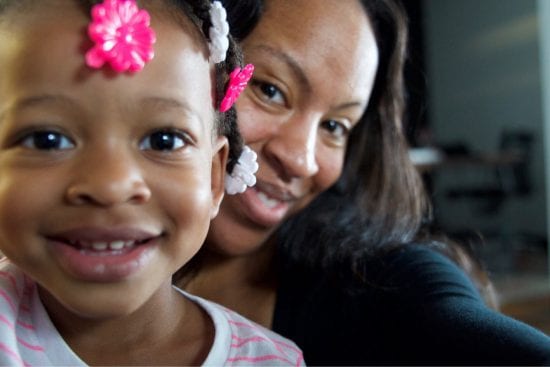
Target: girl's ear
{"points": [[219, 162]]}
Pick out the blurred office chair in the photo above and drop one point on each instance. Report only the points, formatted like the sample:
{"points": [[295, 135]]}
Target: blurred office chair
{"points": [[510, 169]]}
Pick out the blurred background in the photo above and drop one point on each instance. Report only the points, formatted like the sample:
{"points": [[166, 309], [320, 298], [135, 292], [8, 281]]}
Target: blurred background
{"points": [[478, 80]]}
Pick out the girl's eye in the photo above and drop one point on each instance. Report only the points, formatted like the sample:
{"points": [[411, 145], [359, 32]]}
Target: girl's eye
{"points": [[336, 129], [269, 92], [163, 141], [47, 140]]}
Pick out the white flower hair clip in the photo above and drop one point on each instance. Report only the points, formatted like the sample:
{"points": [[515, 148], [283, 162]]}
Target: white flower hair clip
{"points": [[219, 33], [243, 174]]}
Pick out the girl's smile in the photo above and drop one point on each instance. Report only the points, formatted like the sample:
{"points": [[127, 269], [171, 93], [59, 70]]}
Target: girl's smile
{"points": [[108, 181], [103, 254]]}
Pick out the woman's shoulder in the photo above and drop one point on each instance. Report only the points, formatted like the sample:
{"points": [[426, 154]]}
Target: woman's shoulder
{"points": [[415, 266], [411, 303]]}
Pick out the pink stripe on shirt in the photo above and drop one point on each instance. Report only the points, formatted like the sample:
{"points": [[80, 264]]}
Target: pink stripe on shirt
{"points": [[267, 357], [11, 353], [11, 278]]}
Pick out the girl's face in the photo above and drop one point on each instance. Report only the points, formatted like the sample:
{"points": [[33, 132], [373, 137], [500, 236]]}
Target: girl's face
{"points": [[108, 181], [315, 63]]}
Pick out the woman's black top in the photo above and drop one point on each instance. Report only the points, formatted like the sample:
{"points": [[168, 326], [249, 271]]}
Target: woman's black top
{"points": [[414, 306]]}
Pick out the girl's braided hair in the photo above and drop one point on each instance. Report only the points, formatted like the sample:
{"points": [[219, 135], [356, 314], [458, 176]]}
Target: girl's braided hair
{"points": [[198, 12]]}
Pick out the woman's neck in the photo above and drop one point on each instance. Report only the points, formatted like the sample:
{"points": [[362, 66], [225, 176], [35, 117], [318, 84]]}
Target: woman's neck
{"points": [[246, 284]]}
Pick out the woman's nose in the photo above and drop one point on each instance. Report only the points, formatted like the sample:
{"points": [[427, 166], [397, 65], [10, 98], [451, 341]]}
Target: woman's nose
{"points": [[108, 179], [293, 149]]}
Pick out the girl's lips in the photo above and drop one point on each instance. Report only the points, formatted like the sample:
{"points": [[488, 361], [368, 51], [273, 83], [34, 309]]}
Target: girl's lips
{"points": [[90, 234], [103, 255], [262, 208]]}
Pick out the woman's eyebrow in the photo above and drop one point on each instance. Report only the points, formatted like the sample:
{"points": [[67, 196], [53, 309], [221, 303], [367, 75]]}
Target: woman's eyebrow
{"points": [[347, 105], [285, 58]]}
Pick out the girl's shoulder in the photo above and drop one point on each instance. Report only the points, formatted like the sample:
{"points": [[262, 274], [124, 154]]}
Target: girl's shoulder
{"points": [[27, 335], [240, 341]]}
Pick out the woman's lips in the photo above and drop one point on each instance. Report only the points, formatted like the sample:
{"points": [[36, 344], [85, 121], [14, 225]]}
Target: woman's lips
{"points": [[101, 254], [263, 207]]}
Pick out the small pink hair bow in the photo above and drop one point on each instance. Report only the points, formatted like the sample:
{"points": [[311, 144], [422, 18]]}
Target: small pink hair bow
{"points": [[238, 79], [122, 36]]}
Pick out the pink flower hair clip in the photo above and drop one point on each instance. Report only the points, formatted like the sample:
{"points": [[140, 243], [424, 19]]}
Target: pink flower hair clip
{"points": [[122, 36], [238, 79]]}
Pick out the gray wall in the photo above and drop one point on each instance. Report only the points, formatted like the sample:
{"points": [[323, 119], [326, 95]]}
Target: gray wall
{"points": [[544, 34], [484, 76]]}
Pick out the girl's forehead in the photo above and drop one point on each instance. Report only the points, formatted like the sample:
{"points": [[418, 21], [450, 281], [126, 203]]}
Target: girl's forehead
{"points": [[44, 53]]}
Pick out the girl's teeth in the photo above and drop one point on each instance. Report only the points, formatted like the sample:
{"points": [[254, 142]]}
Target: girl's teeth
{"points": [[99, 246], [267, 201], [115, 245]]}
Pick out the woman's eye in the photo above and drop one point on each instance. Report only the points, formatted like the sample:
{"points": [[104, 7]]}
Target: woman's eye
{"points": [[47, 140], [163, 141], [335, 128], [269, 92]]}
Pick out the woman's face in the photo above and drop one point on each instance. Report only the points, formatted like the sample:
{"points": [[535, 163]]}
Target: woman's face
{"points": [[315, 63]]}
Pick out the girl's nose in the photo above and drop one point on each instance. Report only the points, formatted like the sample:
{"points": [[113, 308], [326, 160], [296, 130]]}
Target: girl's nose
{"points": [[293, 149], [108, 180]]}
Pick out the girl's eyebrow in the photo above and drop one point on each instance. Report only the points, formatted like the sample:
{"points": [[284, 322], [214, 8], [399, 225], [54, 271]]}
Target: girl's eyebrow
{"points": [[36, 101], [167, 102], [173, 103], [43, 99], [60, 98], [161, 102]]}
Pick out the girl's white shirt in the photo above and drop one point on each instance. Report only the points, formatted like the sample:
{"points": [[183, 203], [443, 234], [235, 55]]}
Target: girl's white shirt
{"points": [[28, 336]]}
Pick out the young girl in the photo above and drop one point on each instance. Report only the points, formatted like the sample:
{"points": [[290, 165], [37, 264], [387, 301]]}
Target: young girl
{"points": [[112, 161]]}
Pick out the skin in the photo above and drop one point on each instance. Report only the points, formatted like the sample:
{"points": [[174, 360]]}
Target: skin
{"points": [[104, 179], [315, 62]]}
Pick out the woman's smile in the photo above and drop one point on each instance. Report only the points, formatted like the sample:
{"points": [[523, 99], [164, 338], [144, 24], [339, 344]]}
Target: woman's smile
{"points": [[296, 115], [266, 205]]}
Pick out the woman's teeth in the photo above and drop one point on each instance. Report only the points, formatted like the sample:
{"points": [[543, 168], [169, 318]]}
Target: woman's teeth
{"points": [[267, 201]]}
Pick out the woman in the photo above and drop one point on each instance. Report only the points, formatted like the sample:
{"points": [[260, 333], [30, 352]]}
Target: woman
{"points": [[321, 250]]}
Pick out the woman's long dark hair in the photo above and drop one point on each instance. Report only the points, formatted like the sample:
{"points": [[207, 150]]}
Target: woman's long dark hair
{"points": [[379, 203], [380, 195]]}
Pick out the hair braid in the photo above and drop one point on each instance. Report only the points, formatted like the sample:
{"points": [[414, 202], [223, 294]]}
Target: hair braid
{"points": [[227, 122]]}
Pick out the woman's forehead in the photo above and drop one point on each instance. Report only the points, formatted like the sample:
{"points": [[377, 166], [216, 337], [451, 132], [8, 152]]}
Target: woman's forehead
{"points": [[331, 41]]}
